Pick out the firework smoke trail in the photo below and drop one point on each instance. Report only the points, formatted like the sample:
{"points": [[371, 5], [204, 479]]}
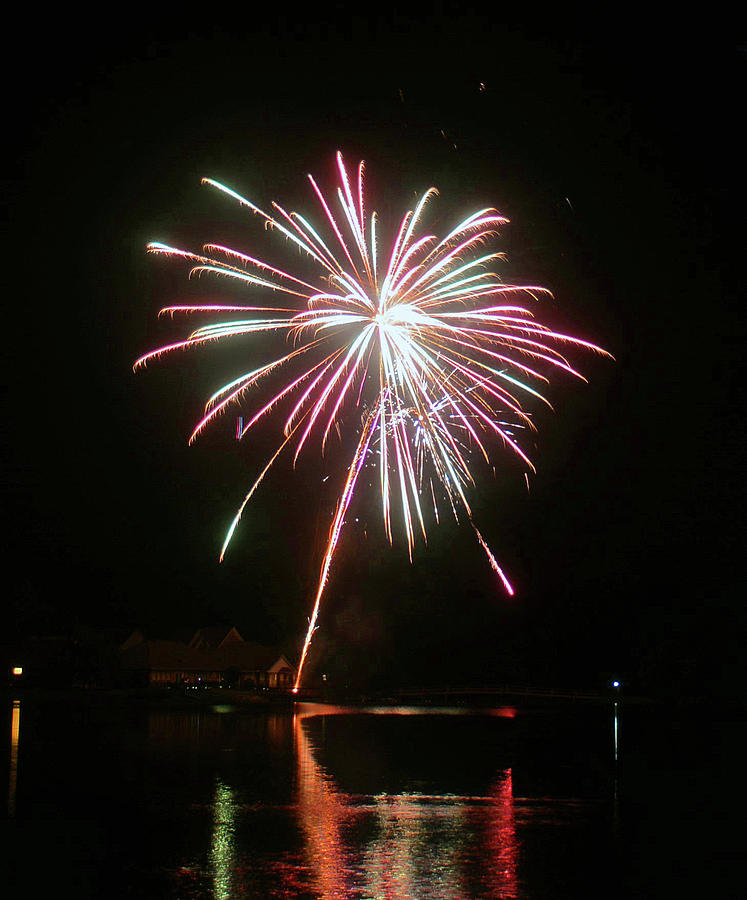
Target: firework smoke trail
{"points": [[422, 355], [334, 533]]}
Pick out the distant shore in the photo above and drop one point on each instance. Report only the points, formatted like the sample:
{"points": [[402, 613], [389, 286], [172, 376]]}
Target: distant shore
{"points": [[520, 698]]}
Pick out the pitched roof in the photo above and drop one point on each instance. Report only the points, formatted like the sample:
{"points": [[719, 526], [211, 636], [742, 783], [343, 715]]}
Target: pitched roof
{"points": [[280, 664], [215, 636], [173, 655]]}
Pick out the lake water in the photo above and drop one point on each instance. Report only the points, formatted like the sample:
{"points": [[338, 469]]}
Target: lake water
{"points": [[109, 801]]}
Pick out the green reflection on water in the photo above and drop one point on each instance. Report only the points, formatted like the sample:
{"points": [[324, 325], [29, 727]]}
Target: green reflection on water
{"points": [[222, 843]]}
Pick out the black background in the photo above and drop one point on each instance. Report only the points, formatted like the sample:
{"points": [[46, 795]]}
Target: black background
{"points": [[615, 148]]}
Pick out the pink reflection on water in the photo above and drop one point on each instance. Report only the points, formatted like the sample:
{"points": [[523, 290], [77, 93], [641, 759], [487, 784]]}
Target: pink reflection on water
{"points": [[502, 841]]}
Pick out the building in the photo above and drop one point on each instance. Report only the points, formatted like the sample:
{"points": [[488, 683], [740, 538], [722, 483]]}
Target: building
{"points": [[216, 655]]}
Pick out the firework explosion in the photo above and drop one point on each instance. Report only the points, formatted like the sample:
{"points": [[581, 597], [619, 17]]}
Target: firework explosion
{"points": [[419, 357]]}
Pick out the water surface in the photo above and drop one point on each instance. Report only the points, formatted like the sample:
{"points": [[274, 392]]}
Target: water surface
{"points": [[220, 802]]}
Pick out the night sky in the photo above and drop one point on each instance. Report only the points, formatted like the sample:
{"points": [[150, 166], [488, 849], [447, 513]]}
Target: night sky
{"points": [[615, 150]]}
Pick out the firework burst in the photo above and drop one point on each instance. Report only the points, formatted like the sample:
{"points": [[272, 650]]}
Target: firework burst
{"points": [[421, 352]]}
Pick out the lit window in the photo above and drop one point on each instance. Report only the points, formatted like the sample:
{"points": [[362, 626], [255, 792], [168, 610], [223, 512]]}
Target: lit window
{"points": [[18, 670]]}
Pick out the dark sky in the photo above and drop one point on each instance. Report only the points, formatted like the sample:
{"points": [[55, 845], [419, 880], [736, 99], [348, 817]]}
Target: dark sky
{"points": [[616, 151]]}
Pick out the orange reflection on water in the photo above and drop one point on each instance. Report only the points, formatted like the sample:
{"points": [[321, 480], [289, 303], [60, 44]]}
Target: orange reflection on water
{"points": [[15, 730], [322, 812]]}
